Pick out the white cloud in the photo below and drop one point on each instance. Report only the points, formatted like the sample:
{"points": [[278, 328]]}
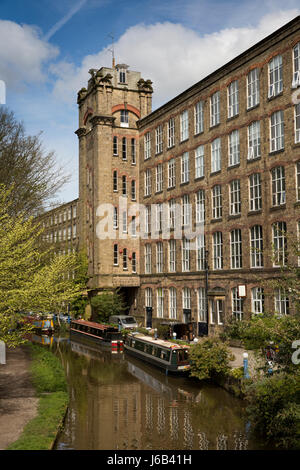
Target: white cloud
{"points": [[173, 56], [23, 54]]}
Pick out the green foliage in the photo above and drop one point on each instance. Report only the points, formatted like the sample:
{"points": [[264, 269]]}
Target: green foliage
{"points": [[237, 372], [274, 408], [107, 303], [163, 331], [30, 279], [260, 330], [209, 359]]}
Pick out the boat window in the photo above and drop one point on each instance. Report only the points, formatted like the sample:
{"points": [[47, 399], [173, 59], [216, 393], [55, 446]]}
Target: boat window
{"points": [[154, 351], [165, 355], [182, 355]]}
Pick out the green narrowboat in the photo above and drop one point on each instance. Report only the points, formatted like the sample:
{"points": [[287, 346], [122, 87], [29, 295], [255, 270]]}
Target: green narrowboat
{"points": [[166, 355]]}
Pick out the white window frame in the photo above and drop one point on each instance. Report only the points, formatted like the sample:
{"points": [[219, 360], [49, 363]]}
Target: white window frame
{"points": [[275, 76], [159, 139], [185, 210], [216, 155], [255, 192], [201, 304], [296, 66], [298, 180], [281, 302], [216, 201], [171, 132], [278, 186], [235, 197], [184, 125], [234, 148], [254, 147], [160, 302], [253, 88], [200, 252], [279, 244], [236, 304], [172, 255], [171, 173], [297, 123], [236, 258], [159, 177], [185, 168], [147, 185], [217, 238], [172, 303], [233, 98], [148, 258], [185, 254], [198, 117], [215, 109], [200, 206], [276, 131], [159, 257], [256, 247], [257, 300], [147, 146], [199, 161]]}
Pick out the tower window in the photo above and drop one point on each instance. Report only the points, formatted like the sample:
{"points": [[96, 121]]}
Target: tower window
{"points": [[122, 76], [124, 119]]}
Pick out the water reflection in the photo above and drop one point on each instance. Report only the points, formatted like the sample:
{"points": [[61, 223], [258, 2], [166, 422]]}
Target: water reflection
{"points": [[118, 402]]}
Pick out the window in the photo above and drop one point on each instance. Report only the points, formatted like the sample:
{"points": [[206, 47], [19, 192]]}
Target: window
{"points": [[186, 215], [148, 219], [184, 126], [257, 300], [233, 98], [275, 76], [171, 132], [255, 199], [148, 258], [237, 304], [133, 190], [215, 109], [171, 213], [185, 170], [186, 298], [133, 151], [133, 262], [279, 244], [159, 139], [147, 180], [296, 62], [159, 177], [115, 221], [124, 185], [172, 256], [217, 250], [217, 202], [234, 148], [124, 148], [278, 186], [159, 257], [200, 252], [254, 150], [276, 131], [115, 181], [171, 173], [115, 145], [148, 297], [298, 180], [256, 246], [235, 197], [185, 251], [125, 265], [147, 146], [159, 217], [200, 206], [297, 123], [201, 297], [124, 221], [160, 302], [122, 75], [253, 88], [198, 117], [133, 226], [199, 161], [282, 304], [116, 255], [172, 303], [124, 118], [236, 249], [216, 155]]}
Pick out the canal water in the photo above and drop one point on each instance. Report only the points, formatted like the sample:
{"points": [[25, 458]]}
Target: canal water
{"points": [[118, 402]]}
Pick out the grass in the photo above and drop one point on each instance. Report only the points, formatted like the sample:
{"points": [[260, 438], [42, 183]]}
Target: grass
{"points": [[51, 388]]}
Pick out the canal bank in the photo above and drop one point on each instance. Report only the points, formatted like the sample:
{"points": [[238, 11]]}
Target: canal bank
{"points": [[33, 399]]}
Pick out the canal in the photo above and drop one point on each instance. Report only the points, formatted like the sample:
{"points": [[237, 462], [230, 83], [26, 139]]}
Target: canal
{"points": [[119, 403]]}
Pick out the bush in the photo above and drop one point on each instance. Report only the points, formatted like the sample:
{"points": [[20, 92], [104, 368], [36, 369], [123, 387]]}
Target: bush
{"points": [[106, 304], [274, 407], [209, 359]]}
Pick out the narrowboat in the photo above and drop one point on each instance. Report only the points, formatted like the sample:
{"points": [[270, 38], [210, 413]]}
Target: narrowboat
{"points": [[41, 325], [96, 332], [166, 355]]}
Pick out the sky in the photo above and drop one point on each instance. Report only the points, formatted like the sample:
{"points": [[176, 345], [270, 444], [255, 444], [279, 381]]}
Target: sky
{"points": [[48, 46]]}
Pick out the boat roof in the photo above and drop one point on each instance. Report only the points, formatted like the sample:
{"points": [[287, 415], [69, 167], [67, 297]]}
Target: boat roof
{"points": [[100, 326], [158, 342]]}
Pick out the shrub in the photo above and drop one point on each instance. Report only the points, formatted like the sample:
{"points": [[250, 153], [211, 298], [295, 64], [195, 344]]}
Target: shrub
{"points": [[209, 359]]}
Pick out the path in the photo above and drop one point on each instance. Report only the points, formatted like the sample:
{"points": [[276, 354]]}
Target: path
{"points": [[18, 403]]}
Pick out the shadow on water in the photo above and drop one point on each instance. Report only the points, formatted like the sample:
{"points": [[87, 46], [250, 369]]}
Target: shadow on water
{"points": [[119, 402]]}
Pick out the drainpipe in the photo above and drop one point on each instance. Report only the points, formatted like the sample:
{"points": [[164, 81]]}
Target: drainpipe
{"points": [[206, 286]]}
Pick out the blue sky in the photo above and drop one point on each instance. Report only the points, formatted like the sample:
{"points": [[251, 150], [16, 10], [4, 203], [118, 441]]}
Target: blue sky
{"points": [[49, 47]]}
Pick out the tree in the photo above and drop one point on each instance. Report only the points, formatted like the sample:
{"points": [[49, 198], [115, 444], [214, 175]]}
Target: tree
{"points": [[209, 359], [108, 303], [33, 173], [30, 279]]}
